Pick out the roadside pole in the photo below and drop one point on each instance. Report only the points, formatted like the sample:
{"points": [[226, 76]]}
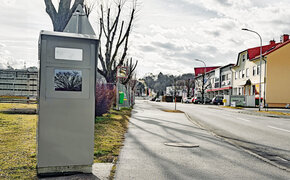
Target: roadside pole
{"points": [[175, 103], [117, 94]]}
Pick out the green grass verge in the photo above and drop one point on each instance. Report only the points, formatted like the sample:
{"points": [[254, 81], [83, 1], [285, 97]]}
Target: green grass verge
{"points": [[231, 107], [17, 144], [274, 112], [109, 134], [18, 140], [173, 111]]}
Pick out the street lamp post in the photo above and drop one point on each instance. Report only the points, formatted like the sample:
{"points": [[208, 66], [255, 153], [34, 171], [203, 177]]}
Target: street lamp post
{"points": [[203, 78], [260, 87]]}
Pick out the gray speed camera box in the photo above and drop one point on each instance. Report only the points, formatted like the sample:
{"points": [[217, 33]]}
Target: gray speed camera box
{"points": [[65, 133]]}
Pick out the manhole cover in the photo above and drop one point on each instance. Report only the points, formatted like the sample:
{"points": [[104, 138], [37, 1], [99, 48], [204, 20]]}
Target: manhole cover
{"points": [[185, 145]]}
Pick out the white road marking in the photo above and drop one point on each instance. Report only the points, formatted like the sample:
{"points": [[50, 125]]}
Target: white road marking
{"points": [[244, 119], [233, 117], [279, 129], [282, 159]]}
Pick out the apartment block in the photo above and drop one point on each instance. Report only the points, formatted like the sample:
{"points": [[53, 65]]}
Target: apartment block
{"points": [[19, 82]]}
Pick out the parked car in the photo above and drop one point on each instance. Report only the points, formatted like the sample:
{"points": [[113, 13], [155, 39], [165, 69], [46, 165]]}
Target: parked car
{"points": [[218, 100], [157, 100], [199, 100]]}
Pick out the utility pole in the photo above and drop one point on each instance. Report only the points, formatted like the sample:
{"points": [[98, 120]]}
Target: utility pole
{"points": [[260, 69]]}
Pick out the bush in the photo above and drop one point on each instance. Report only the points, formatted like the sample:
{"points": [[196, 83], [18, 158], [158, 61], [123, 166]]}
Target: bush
{"points": [[105, 97]]}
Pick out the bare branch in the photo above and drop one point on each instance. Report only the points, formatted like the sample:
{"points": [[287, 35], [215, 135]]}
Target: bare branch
{"points": [[102, 19], [89, 7]]}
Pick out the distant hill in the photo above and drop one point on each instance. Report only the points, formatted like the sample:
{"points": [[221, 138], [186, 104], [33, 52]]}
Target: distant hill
{"points": [[159, 82]]}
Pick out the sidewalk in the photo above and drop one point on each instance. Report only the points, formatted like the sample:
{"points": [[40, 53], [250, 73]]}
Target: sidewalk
{"points": [[145, 156], [271, 112]]}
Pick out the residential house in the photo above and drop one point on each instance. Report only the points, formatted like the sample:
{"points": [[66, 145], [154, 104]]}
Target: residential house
{"points": [[277, 73], [200, 70], [221, 81], [246, 72]]}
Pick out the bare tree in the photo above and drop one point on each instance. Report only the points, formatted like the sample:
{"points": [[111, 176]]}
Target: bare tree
{"points": [[114, 33], [189, 83], [61, 16], [204, 83]]}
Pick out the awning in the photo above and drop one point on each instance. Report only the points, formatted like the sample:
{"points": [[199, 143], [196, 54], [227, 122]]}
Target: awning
{"points": [[219, 89]]}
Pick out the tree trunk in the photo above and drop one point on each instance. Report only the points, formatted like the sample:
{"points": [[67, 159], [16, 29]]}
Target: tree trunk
{"points": [[61, 17]]}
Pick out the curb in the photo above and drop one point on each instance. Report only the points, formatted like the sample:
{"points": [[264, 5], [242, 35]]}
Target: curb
{"points": [[265, 114], [243, 111]]}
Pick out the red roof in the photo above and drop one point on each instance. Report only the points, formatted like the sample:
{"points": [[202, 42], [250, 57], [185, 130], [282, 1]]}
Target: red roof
{"points": [[277, 47], [254, 52], [200, 70]]}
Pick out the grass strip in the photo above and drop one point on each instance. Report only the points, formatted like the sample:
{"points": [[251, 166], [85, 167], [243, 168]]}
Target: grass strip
{"points": [[109, 136], [172, 111], [18, 140], [17, 144], [231, 107], [275, 112]]}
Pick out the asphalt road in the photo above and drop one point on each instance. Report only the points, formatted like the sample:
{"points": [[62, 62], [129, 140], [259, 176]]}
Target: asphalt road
{"points": [[145, 155], [268, 137]]}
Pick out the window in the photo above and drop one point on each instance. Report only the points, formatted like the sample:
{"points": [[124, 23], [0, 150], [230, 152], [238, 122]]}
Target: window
{"points": [[254, 70], [247, 72], [243, 57], [243, 73], [253, 89], [223, 77], [241, 91], [258, 70], [22, 75], [236, 75], [229, 77], [240, 74]]}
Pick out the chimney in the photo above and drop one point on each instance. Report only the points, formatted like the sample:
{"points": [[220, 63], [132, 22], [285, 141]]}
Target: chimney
{"points": [[284, 38], [272, 42]]}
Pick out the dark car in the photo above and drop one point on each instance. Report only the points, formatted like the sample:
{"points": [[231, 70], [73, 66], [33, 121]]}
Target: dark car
{"points": [[199, 100], [218, 100]]}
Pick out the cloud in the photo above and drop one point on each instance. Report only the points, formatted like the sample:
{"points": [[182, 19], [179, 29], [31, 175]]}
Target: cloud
{"points": [[2, 66], [224, 2], [147, 48], [167, 46], [168, 34]]}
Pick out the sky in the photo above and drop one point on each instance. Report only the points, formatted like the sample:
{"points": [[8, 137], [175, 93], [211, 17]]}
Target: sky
{"points": [[167, 36]]}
